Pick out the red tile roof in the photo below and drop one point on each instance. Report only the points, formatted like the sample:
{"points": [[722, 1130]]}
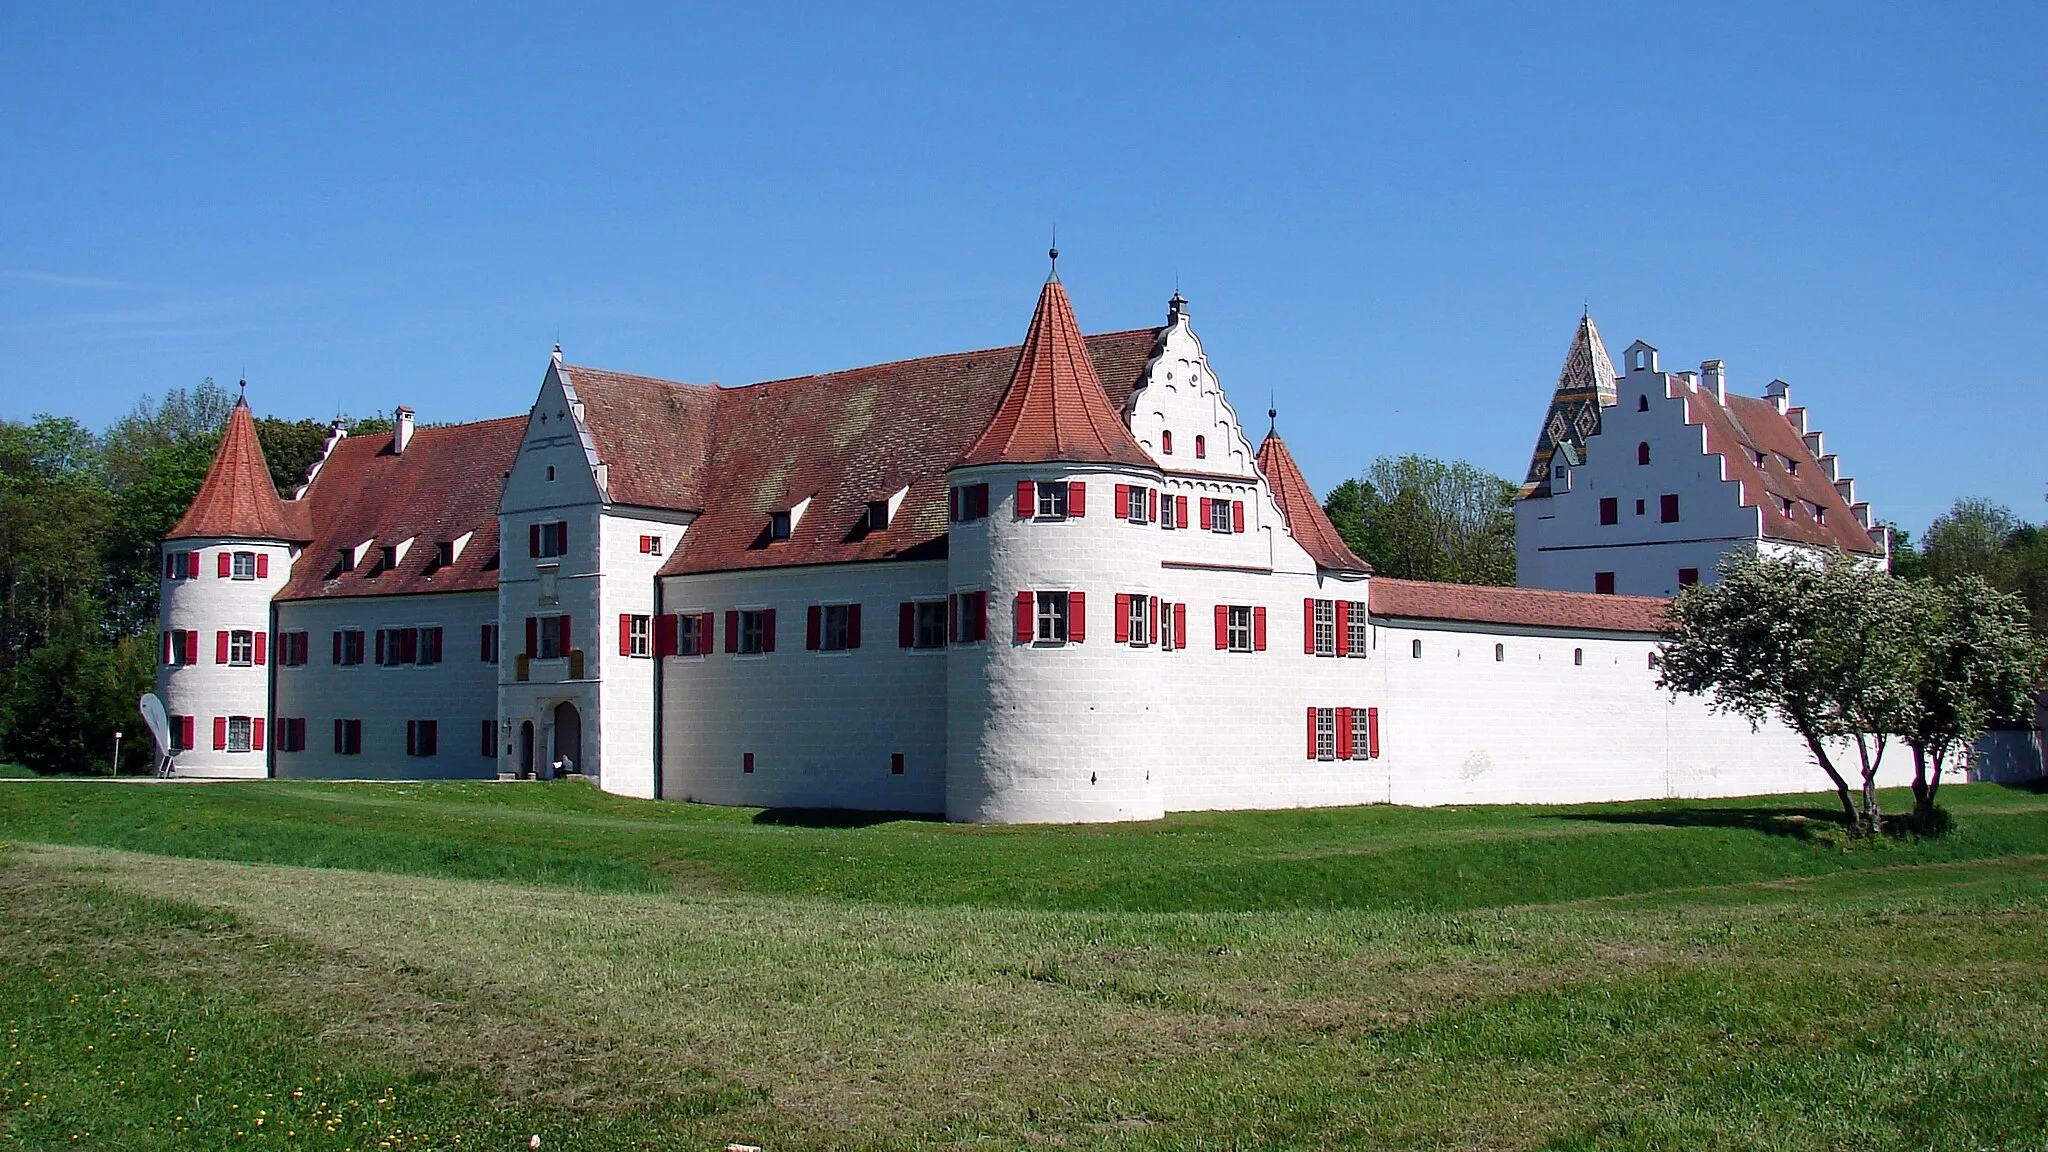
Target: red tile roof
{"points": [[237, 498], [653, 436], [1746, 426], [1478, 604], [1306, 521], [845, 438], [446, 483], [1055, 408]]}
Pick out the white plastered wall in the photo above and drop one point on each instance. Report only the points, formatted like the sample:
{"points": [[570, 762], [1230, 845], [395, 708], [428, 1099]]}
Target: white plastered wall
{"points": [[625, 587], [205, 688]]}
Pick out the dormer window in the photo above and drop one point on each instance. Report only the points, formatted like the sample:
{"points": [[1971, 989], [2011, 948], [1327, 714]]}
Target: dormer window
{"points": [[778, 526], [878, 515], [444, 553], [387, 559], [1165, 443], [1820, 514], [1201, 448], [1792, 466]]}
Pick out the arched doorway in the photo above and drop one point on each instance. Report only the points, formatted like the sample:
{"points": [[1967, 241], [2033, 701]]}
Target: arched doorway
{"points": [[526, 748], [569, 737]]}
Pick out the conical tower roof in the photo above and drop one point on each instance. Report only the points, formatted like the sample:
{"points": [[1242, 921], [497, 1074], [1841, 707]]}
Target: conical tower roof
{"points": [[1584, 386], [1055, 409], [1306, 521], [238, 498]]}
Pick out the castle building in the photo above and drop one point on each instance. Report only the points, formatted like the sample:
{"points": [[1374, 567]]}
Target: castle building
{"points": [[1641, 482], [1053, 582]]}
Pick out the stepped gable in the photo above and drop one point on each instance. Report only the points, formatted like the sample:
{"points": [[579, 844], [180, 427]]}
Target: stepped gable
{"points": [[1584, 386], [653, 436], [1306, 521], [237, 499], [844, 438], [1056, 410], [447, 482], [1744, 427], [1487, 604]]}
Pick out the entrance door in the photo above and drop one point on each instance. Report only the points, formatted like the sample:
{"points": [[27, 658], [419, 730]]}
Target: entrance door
{"points": [[526, 748], [569, 737]]}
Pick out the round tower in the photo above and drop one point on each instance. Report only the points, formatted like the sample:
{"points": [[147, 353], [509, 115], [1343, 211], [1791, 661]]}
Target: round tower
{"points": [[1054, 683], [230, 554]]}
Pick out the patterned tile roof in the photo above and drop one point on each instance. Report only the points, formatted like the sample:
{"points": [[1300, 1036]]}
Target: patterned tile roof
{"points": [[446, 483], [1055, 408], [1478, 604], [1746, 427], [1306, 520], [237, 498], [1584, 386], [653, 436]]}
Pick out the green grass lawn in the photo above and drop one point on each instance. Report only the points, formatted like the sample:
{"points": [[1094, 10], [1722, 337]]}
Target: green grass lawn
{"points": [[462, 965], [15, 772]]}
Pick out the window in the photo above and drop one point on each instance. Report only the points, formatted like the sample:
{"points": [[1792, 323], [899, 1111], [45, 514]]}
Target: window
{"points": [[895, 763], [181, 565], [1643, 402], [489, 747], [1052, 499], [1578, 656], [878, 516], [241, 647], [1354, 624], [348, 646], [778, 526], [1500, 653], [1667, 508], [397, 646], [239, 734], [1792, 466], [1326, 733], [291, 734], [969, 617], [293, 648], [387, 559], [1201, 448], [1135, 624], [548, 540], [1639, 507], [754, 633], [422, 737], [1415, 649], [444, 553], [552, 634], [1165, 443], [927, 624], [245, 569], [747, 762], [1603, 583], [636, 637], [181, 731], [968, 502], [1820, 514], [650, 545], [1219, 515], [1687, 577], [1239, 628], [430, 645], [1052, 618], [693, 635], [1643, 453], [1172, 511], [487, 644], [1610, 510], [1137, 502], [348, 737], [1168, 642], [181, 647], [832, 627], [1323, 628], [1785, 502], [551, 472]]}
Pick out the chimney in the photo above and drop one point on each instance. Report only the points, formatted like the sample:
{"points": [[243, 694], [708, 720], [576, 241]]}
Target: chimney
{"points": [[1779, 394], [1714, 376], [402, 434]]}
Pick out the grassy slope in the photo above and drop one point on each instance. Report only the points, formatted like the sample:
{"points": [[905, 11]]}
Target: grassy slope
{"points": [[911, 984]]}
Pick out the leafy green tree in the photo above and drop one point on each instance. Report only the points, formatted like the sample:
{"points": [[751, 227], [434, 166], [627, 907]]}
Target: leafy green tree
{"points": [[1977, 663], [1971, 539], [68, 700], [1907, 562], [1419, 518], [1826, 648]]}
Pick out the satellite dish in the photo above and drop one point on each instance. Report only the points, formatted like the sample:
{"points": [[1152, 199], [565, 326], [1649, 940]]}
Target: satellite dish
{"points": [[152, 710]]}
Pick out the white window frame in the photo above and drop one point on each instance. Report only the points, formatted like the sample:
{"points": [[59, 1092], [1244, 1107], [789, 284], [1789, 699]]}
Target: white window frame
{"points": [[1238, 627], [244, 566], [1166, 627], [1326, 733], [1052, 618], [639, 635], [1138, 619], [241, 648], [753, 632], [554, 536], [1326, 627], [1219, 515], [549, 633], [1356, 637], [239, 734], [1052, 500], [835, 627], [690, 636], [928, 622], [1135, 501]]}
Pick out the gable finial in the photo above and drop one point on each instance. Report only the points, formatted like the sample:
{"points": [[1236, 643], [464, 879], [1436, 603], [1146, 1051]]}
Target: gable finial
{"points": [[1054, 253], [1273, 413]]}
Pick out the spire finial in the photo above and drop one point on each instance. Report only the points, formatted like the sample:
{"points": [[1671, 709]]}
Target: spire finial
{"points": [[1054, 253], [1273, 413], [243, 396]]}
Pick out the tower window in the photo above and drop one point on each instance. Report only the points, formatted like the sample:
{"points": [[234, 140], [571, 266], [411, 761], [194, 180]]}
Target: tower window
{"points": [[1052, 617], [1643, 453], [241, 647], [245, 566], [1201, 448]]}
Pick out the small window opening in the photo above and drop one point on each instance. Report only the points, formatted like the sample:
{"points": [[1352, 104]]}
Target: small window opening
{"points": [[778, 526], [551, 471], [1578, 656], [878, 515], [1415, 649], [1643, 453], [1201, 448], [1643, 403], [1500, 653], [1166, 443]]}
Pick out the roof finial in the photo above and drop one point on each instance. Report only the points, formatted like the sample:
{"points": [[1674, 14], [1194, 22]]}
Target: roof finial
{"points": [[1273, 413], [243, 397], [1054, 253]]}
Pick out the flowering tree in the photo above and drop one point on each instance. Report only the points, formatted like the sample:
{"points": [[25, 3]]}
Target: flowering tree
{"points": [[1977, 664]]}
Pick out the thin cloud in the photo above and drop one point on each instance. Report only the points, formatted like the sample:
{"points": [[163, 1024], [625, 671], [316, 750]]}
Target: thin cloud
{"points": [[59, 281]]}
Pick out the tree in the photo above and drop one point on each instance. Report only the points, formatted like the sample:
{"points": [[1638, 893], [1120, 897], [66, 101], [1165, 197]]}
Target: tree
{"points": [[1907, 561], [1824, 647], [1418, 518], [1976, 665], [68, 700]]}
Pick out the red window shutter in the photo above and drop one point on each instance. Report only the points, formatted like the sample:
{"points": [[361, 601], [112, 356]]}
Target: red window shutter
{"points": [[853, 625], [906, 624], [533, 539], [567, 643], [1308, 626], [768, 630], [707, 636], [1122, 510], [220, 647], [532, 637], [192, 646], [1237, 515], [337, 647], [256, 733], [226, 566], [1259, 629], [263, 565], [1027, 499], [1152, 621], [1205, 521], [381, 646], [220, 733], [1123, 618], [1372, 733], [1180, 518], [1077, 500], [732, 632], [953, 505], [1180, 625], [625, 635], [665, 634], [1077, 617], [1343, 628], [1343, 733], [1151, 505], [1222, 626], [1027, 624], [562, 541], [1311, 732], [814, 625], [186, 725], [262, 643]]}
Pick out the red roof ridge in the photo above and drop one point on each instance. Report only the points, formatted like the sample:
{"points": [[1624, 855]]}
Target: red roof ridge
{"points": [[1500, 604], [1306, 521], [1055, 409], [238, 498]]}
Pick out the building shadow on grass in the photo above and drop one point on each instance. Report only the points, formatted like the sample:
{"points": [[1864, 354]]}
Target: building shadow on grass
{"points": [[1796, 823], [2037, 787], [836, 817]]}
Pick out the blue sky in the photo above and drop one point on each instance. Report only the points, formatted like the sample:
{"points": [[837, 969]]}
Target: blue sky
{"points": [[1387, 216]]}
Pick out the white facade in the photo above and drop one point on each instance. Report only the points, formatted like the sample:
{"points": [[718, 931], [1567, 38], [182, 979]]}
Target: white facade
{"points": [[215, 664]]}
